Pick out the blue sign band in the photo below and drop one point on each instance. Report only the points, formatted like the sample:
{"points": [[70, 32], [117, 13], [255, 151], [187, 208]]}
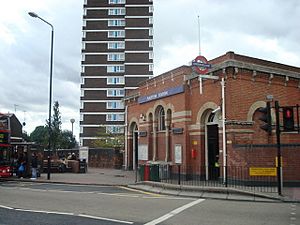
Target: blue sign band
{"points": [[163, 94]]}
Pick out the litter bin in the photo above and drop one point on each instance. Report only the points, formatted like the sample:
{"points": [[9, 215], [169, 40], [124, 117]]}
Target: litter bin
{"points": [[82, 166], [147, 173], [141, 172], [154, 172]]}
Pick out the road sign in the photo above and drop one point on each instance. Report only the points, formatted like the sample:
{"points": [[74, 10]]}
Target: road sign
{"points": [[209, 77], [201, 65], [263, 171]]}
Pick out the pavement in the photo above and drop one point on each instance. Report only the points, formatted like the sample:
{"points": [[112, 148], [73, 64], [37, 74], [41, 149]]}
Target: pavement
{"points": [[113, 177]]}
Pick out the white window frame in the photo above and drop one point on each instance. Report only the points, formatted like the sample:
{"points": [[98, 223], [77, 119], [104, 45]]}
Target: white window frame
{"points": [[115, 117], [116, 45], [151, 67], [151, 44], [151, 55], [117, 11], [150, 31], [117, 130], [115, 105], [115, 80], [151, 20], [116, 34], [117, 2], [115, 57], [115, 93], [82, 80], [116, 69], [116, 23], [151, 9]]}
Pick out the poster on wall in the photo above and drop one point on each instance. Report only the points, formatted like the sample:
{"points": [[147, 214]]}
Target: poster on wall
{"points": [[84, 153], [143, 152], [178, 154]]}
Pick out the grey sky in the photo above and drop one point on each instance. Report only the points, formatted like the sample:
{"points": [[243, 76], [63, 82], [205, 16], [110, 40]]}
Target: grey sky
{"points": [[267, 29]]}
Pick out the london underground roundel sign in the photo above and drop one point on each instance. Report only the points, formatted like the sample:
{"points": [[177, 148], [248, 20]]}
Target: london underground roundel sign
{"points": [[200, 65]]}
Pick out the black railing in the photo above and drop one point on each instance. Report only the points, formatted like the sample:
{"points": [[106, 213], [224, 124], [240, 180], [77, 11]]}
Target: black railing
{"points": [[237, 177]]}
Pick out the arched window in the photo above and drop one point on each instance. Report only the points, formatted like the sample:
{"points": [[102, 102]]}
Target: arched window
{"points": [[161, 119], [211, 118]]}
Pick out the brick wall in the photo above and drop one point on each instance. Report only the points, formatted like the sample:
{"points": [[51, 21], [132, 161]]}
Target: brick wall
{"points": [[245, 89]]}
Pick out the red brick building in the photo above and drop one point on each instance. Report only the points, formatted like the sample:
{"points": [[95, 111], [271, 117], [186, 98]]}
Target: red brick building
{"points": [[178, 118]]}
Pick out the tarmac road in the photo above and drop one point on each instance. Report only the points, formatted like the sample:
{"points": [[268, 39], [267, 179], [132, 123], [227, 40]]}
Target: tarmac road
{"points": [[43, 203]]}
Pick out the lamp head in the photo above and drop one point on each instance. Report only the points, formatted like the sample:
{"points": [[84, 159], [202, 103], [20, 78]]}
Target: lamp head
{"points": [[33, 14]]}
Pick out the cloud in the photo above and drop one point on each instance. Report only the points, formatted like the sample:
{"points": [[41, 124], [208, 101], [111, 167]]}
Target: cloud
{"points": [[25, 52], [258, 28]]}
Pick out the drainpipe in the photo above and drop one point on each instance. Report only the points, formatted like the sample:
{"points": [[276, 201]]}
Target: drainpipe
{"points": [[167, 143], [126, 137], [224, 132], [154, 140]]}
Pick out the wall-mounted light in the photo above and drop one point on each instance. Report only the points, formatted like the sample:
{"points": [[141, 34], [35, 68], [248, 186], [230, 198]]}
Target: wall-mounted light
{"points": [[217, 109]]}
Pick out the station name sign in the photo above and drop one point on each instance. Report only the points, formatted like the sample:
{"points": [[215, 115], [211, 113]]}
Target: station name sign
{"points": [[162, 94]]}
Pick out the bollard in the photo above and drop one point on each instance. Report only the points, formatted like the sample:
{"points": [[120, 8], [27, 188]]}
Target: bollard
{"points": [[179, 175]]}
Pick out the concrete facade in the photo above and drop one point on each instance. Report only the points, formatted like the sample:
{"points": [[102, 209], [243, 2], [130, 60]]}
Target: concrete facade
{"points": [[117, 54]]}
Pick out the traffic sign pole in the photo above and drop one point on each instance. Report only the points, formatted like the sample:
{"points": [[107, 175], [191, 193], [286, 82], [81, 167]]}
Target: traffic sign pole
{"points": [[279, 171]]}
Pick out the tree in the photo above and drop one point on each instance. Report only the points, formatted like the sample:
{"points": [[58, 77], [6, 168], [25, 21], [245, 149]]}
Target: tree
{"points": [[68, 140], [109, 140], [25, 136], [59, 139], [56, 127], [40, 136]]}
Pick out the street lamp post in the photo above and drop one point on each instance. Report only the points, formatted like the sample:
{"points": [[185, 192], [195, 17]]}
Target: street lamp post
{"points": [[72, 122], [32, 14]]}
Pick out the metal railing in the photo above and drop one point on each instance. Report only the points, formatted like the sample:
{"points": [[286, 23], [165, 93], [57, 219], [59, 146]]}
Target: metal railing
{"points": [[237, 177]]}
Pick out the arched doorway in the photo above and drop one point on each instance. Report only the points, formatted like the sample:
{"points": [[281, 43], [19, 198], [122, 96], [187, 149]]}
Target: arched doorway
{"points": [[212, 151]]}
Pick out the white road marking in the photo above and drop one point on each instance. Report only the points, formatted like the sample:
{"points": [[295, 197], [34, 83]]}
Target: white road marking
{"points": [[169, 198], [61, 213], [46, 212], [103, 218], [67, 213], [174, 212], [293, 214], [5, 207]]}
